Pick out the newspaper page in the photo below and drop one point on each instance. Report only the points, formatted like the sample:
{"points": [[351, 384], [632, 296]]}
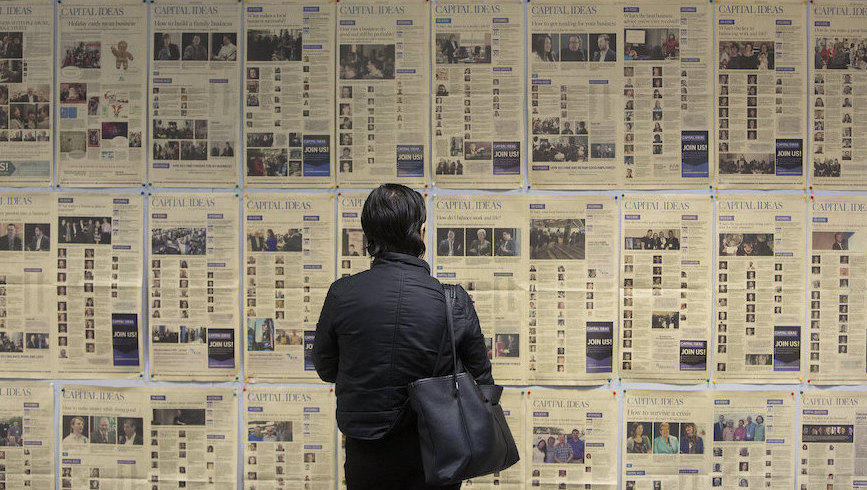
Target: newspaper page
{"points": [[481, 245], [479, 83], [195, 71], [575, 74], [193, 300], [98, 247], [152, 437], [667, 75], [760, 58], [193, 437], [382, 92], [289, 437], [25, 94], [27, 414], [838, 255], [760, 287], [27, 286], [289, 133], [665, 434], [839, 43], [512, 478], [102, 72], [573, 286], [573, 438], [832, 454], [352, 250], [289, 257], [753, 439], [666, 295]]}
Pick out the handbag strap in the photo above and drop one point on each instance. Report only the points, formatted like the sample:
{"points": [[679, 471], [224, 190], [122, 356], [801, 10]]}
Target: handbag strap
{"points": [[449, 291]]}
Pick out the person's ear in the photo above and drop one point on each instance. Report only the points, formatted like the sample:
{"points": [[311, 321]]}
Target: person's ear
{"points": [[423, 230]]}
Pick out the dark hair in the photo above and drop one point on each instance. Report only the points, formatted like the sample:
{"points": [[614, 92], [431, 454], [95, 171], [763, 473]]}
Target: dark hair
{"points": [[391, 219]]}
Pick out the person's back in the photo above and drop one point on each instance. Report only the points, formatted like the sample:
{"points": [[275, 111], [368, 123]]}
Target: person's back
{"points": [[384, 328]]}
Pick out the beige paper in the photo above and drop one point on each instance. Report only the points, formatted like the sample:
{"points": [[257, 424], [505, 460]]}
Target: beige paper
{"points": [[102, 75], [289, 93]]}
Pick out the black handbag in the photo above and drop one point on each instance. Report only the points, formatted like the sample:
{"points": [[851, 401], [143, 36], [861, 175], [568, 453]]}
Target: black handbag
{"points": [[461, 425]]}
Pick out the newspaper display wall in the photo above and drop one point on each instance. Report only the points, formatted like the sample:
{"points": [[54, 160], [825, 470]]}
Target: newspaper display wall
{"points": [[753, 439], [513, 478], [668, 72], [352, 250], [289, 438], [838, 266], [289, 93], [479, 81], [831, 434], [289, 257], [760, 92], [97, 243], [102, 73], [193, 286], [666, 296], [195, 71], [27, 415], [573, 439], [26, 108], [148, 437], [27, 286], [665, 437], [839, 60], [382, 92], [575, 78], [573, 285], [481, 245], [760, 295]]}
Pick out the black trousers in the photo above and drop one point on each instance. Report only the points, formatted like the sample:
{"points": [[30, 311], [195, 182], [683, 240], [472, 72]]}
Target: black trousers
{"points": [[390, 463]]}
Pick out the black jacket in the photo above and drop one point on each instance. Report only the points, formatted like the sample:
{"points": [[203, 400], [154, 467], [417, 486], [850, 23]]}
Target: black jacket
{"points": [[383, 328]]}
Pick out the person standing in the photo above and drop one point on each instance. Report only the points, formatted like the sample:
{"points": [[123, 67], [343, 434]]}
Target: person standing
{"points": [[380, 330]]}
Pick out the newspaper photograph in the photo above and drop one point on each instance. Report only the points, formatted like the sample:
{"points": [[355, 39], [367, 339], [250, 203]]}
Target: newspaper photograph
{"points": [[97, 244], [760, 287], [753, 439], [572, 300], [839, 55], [572, 435], [512, 478], [665, 433], [195, 70], [151, 437], [27, 435], [575, 74], [838, 262], [289, 260], [667, 77], [102, 76], [481, 244], [26, 93], [289, 134], [666, 287], [193, 287], [28, 294], [479, 83], [832, 428], [382, 93], [289, 437], [761, 78], [352, 256]]}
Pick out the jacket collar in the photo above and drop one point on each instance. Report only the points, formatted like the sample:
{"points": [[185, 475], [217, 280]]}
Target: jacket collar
{"points": [[391, 257]]}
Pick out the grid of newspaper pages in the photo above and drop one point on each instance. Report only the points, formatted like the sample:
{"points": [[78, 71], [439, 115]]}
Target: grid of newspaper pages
{"points": [[658, 209]]}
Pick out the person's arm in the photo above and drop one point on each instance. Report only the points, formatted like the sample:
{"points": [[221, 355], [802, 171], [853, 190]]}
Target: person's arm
{"points": [[325, 351], [472, 350]]}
